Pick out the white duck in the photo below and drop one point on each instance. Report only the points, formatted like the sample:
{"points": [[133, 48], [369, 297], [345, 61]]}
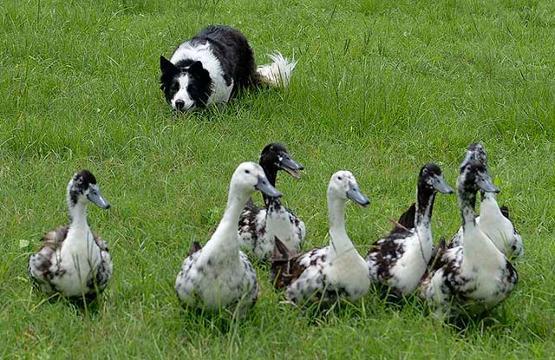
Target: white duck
{"points": [[494, 220], [220, 275], [329, 273], [73, 261], [475, 276]]}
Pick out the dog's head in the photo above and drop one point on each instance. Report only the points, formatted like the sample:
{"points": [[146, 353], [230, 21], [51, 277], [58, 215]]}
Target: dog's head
{"points": [[186, 84]]}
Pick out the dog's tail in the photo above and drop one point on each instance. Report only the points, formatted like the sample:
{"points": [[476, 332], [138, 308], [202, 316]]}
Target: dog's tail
{"points": [[278, 72]]}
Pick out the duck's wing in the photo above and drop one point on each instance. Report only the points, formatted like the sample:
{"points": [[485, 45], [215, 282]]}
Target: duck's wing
{"points": [[446, 272], [299, 226], [456, 240], [517, 246], [249, 224], [54, 239], [384, 253], [287, 267], [105, 267], [41, 262], [102, 245]]}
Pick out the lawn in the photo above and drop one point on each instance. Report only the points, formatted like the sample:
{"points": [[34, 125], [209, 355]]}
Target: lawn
{"points": [[381, 88]]}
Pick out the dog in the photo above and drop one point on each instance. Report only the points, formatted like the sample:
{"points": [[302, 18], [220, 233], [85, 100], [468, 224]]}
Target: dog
{"points": [[213, 66]]}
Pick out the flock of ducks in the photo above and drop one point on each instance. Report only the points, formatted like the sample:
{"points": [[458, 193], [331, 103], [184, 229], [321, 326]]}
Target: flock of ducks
{"points": [[471, 273]]}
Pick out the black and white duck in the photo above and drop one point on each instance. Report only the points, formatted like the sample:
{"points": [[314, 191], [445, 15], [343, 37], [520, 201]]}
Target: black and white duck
{"points": [[258, 227], [219, 274], [73, 261], [398, 261], [494, 220], [475, 276], [329, 273]]}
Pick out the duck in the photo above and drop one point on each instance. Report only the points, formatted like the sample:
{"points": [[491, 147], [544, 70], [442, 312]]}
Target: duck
{"points": [[398, 261], [259, 226], [72, 261], [474, 277], [325, 275], [494, 220], [219, 275]]}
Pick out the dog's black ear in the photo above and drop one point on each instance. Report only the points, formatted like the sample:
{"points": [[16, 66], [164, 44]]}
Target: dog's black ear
{"points": [[167, 67], [196, 67], [198, 72]]}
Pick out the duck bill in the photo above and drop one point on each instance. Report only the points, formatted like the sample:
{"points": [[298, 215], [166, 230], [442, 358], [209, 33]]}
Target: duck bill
{"points": [[266, 188], [355, 195], [441, 185], [486, 185], [96, 198], [290, 166]]}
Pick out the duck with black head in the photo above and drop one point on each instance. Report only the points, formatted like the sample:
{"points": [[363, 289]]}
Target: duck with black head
{"points": [[334, 272], [259, 227], [475, 276], [494, 220], [398, 261], [73, 261], [219, 275]]}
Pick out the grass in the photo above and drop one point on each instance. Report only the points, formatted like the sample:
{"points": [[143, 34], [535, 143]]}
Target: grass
{"points": [[380, 89]]}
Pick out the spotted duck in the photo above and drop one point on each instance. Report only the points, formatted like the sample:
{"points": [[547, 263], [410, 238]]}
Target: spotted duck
{"points": [[219, 275], [494, 220], [333, 272], [398, 261], [258, 227], [473, 277], [73, 261]]}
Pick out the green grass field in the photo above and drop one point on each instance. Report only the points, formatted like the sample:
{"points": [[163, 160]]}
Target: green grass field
{"points": [[381, 88]]}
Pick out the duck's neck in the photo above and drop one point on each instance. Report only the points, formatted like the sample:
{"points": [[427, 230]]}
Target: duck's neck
{"points": [[339, 242], [225, 237], [478, 249], [271, 174], [78, 215], [467, 203], [424, 206], [471, 233]]}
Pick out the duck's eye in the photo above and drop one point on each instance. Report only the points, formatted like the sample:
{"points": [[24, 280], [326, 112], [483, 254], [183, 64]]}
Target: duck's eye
{"points": [[339, 178], [247, 172]]}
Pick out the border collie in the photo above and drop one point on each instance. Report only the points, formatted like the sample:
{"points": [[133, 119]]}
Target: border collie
{"points": [[215, 64]]}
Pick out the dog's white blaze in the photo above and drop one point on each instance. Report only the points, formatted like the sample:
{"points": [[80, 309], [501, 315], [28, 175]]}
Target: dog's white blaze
{"points": [[202, 52], [182, 94]]}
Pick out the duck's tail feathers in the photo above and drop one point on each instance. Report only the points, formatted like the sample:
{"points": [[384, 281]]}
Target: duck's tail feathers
{"points": [[505, 211], [278, 72], [280, 265], [195, 246], [281, 251], [406, 220]]}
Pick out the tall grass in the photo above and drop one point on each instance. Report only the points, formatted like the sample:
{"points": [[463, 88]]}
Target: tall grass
{"points": [[380, 88]]}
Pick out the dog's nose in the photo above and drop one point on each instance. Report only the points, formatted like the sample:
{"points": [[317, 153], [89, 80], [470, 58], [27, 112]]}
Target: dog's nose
{"points": [[179, 104]]}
